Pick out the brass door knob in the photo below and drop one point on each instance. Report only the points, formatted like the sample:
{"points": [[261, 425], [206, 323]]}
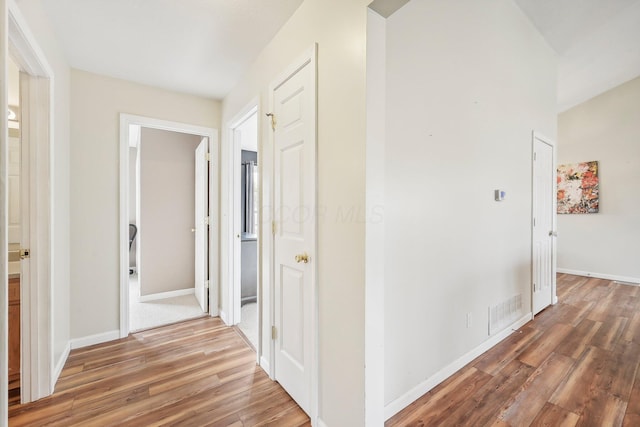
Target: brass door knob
{"points": [[302, 258]]}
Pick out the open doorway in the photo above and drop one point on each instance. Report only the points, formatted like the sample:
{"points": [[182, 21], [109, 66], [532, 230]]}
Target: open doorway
{"points": [[169, 205], [246, 221], [164, 234]]}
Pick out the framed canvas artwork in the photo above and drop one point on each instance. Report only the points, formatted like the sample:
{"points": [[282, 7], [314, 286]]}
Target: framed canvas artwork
{"points": [[578, 188]]}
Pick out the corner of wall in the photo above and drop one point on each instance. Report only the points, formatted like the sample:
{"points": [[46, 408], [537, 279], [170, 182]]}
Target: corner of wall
{"points": [[59, 365]]}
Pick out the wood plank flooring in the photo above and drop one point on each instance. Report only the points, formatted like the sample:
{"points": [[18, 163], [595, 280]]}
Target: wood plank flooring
{"points": [[195, 373], [575, 364]]}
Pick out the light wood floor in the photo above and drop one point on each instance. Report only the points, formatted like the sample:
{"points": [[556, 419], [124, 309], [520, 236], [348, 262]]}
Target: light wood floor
{"points": [[195, 373], [576, 363]]}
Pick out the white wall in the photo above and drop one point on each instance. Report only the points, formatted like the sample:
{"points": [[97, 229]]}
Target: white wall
{"points": [[605, 128], [96, 102], [375, 251], [167, 211], [467, 82], [339, 28], [39, 25]]}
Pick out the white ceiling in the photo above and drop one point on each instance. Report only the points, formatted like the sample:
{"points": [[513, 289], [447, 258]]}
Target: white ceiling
{"points": [[203, 46], [597, 42], [200, 47]]}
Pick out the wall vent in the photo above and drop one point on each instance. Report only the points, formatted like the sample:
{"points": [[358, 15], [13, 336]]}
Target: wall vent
{"points": [[504, 313]]}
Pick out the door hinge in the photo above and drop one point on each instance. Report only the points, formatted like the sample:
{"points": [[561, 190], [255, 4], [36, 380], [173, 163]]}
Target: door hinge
{"points": [[24, 253], [274, 333], [207, 157], [206, 284], [273, 120], [273, 227], [535, 155], [534, 222]]}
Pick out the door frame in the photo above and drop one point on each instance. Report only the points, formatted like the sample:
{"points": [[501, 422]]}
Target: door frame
{"points": [[127, 120], [4, 220], [540, 137], [309, 57], [235, 243], [230, 248], [38, 374]]}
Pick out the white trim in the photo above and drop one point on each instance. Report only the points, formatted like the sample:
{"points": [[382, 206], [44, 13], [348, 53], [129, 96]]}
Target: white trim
{"points": [[95, 339], [409, 397], [23, 46], [214, 222], [224, 317], [234, 306], [321, 423], [4, 265], [309, 57], [635, 280], [231, 227], [264, 364], [165, 295], [125, 121], [60, 365], [543, 138]]}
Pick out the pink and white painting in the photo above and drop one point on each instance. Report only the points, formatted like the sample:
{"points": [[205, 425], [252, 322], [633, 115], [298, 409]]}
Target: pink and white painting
{"points": [[578, 188]]}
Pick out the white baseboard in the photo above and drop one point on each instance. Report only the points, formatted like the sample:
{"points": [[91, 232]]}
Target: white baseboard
{"points": [[95, 339], [264, 364], [406, 399], [321, 423], [165, 295], [60, 365], [635, 280], [223, 316]]}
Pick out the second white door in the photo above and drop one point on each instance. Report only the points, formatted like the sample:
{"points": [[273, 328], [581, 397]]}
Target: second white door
{"points": [[543, 224], [202, 224], [295, 266]]}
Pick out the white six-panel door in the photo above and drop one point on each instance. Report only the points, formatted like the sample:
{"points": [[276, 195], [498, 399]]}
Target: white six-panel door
{"points": [[295, 229], [201, 223], [543, 224]]}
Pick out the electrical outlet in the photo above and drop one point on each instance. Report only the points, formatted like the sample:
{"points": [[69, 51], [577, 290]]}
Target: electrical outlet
{"points": [[469, 320]]}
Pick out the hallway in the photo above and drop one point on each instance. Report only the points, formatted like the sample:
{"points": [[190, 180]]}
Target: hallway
{"points": [[194, 373]]}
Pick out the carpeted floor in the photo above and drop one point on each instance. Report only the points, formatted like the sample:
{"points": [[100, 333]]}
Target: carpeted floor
{"points": [[145, 315]]}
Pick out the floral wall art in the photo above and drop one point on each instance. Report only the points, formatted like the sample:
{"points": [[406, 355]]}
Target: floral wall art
{"points": [[578, 187]]}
